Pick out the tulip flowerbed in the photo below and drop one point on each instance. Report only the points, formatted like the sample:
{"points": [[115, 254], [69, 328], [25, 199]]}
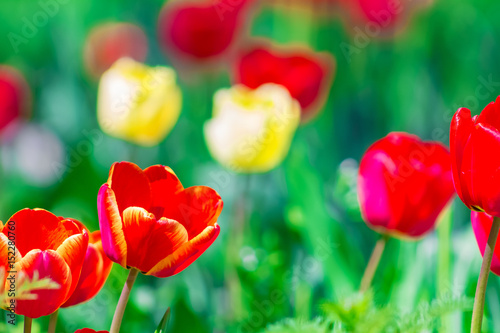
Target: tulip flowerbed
{"points": [[241, 166]]}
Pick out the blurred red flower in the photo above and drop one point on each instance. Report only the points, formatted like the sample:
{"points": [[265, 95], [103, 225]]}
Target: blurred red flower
{"points": [[200, 30], [381, 18], [404, 183], [481, 224], [14, 96], [95, 271], [108, 42], [149, 221], [89, 330], [49, 247], [307, 75], [475, 143]]}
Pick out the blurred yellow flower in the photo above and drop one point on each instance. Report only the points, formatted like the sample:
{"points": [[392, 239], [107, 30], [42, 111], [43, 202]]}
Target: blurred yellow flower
{"points": [[252, 129], [138, 103]]}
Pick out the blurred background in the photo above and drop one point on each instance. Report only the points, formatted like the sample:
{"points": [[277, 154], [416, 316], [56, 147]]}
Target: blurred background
{"points": [[291, 238]]}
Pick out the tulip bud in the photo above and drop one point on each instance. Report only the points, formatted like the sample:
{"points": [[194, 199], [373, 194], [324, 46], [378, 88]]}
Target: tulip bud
{"points": [[475, 143], [108, 42], [137, 103], [404, 183], [14, 96], [251, 130]]}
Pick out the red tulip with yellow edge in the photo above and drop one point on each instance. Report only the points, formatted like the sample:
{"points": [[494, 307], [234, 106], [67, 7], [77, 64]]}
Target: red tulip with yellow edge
{"points": [[152, 224], [45, 247]]}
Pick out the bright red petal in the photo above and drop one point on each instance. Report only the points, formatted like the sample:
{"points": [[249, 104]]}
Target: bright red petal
{"points": [[196, 208], [138, 226], [485, 145], [73, 251], [164, 186], [460, 131], [130, 185], [165, 239], [186, 254], [37, 229], [48, 264], [110, 221]]}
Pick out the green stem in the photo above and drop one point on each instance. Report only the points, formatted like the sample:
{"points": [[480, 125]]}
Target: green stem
{"points": [[53, 322], [477, 312], [27, 324], [373, 263], [122, 303]]}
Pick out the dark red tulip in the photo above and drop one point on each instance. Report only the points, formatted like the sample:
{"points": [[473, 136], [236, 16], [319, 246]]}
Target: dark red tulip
{"points": [[481, 224], [475, 147], [14, 96], [404, 184], [200, 30], [307, 75], [109, 42]]}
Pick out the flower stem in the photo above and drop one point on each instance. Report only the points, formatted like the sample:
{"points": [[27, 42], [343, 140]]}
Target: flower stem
{"points": [[53, 322], [122, 303], [477, 312], [372, 265], [27, 324]]}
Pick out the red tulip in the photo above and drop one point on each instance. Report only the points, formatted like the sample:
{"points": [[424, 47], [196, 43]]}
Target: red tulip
{"points": [[404, 184], [306, 75], [89, 330], [200, 30], [475, 143], [481, 224], [109, 42], [52, 247], [149, 221], [95, 271], [14, 96], [379, 18]]}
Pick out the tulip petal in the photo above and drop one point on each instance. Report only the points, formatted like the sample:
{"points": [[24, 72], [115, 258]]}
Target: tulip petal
{"points": [[110, 221], [130, 185], [196, 208], [481, 224], [138, 226], [164, 186], [73, 251], [186, 254], [460, 132], [166, 238], [7, 251], [485, 145], [48, 264], [491, 115], [95, 270], [36, 229]]}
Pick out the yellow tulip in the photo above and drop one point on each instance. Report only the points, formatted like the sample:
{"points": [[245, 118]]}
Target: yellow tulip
{"points": [[138, 103], [252, 129]]}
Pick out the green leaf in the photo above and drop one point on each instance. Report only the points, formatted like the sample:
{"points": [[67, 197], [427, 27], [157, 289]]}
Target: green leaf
{"points": [[162, 326]]}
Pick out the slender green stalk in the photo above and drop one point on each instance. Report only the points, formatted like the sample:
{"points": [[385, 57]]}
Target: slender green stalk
{"points": [[27, 324], [373, 263], [477, 312], [122, 303], [53, 322]]}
